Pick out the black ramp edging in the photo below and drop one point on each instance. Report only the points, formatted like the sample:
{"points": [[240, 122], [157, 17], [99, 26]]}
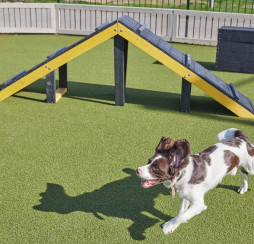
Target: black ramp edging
{"points": [[251, 105], [198, 68], [188, 60], [150, 37], [222, 86], [161, 44], [192, 66], [12, 80], [164, 46], [102, 26], [36, 67], [212, 79], [129, 23], [245, 102], [177, 55], [141, 28], [97, 30], [56, 53], [235, 92]]}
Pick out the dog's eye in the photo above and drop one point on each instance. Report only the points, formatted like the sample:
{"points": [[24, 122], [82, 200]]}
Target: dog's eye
{"points": [[156, 167]]}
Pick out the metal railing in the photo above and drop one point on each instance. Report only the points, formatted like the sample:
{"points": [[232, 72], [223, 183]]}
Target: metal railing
{"points": [[229, 6]]}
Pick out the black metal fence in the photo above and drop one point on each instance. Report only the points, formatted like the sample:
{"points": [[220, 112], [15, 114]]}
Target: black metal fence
{"points": [[230, 6]]}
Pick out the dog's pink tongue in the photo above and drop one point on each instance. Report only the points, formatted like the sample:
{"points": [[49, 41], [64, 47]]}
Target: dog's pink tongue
{"points": [[145, 183], [148, 183]]}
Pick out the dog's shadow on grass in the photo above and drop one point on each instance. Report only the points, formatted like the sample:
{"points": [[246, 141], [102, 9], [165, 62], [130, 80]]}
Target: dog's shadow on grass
{"points": [[121, 199], [230, 187]]}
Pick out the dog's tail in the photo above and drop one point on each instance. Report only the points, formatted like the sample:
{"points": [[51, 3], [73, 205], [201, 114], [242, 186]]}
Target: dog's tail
{"points": [[231, 133]]}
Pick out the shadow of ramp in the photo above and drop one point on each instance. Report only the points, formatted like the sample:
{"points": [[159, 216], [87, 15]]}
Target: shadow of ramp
{"points": [[120, 199], [208, 65], [149, 99], [208, 106], [105, 94]]}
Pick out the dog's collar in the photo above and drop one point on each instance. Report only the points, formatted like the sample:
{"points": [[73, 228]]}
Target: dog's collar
{"points": [[181, 176]]}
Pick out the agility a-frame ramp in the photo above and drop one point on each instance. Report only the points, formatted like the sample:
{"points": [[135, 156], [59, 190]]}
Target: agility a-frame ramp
{"points": [[123, 30]]}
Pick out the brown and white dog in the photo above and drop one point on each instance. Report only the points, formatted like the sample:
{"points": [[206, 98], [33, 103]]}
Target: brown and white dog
{"points": [[194, 175]]}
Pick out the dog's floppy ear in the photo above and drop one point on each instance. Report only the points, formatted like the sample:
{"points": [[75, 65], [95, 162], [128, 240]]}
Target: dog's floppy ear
{"points": [[165, 144], [181, 151]]}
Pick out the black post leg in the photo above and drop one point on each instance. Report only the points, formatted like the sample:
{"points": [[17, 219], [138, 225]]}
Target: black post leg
{"points": [[63, 76], [125, 61], [51, 87], [185, 96], [120, 60]]}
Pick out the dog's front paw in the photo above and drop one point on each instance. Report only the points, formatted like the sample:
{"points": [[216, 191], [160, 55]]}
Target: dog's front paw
{"points": [[243, 188], [169, 227]]}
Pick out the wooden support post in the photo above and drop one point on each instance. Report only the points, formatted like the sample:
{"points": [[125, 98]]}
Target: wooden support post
{"points": [[51, 87], [63, 76], [185, 96], [120, 60], [62, 82], [54, 95]]}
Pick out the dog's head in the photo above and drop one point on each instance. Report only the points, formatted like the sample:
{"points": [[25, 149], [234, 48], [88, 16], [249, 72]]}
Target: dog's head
{"points": [[166, 165]]}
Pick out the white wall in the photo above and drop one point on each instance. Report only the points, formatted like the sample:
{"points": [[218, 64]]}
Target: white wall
{"points": [[79, 19]]}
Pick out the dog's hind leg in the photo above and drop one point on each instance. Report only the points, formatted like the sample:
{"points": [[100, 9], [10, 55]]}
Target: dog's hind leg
{"points": [[244, 186]]}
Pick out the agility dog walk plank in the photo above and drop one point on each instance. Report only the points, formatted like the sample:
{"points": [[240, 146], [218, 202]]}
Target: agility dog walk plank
{"points": [[140, 36], [56, 60], [224, 93]]}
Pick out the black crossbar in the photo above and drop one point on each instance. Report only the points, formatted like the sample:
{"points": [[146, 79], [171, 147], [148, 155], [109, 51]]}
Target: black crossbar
{"points": [[234, 91], [187, 60], [141, 28]]}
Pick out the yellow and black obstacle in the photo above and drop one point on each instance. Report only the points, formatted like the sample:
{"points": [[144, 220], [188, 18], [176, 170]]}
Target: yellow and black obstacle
{"points": [[58, 59], [123, 30]]}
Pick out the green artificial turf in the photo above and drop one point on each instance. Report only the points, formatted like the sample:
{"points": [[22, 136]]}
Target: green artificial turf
{"points": [[67, 170]]}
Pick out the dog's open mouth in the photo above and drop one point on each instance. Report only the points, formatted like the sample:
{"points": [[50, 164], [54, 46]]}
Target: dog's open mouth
{"points": [[148, 183]]}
